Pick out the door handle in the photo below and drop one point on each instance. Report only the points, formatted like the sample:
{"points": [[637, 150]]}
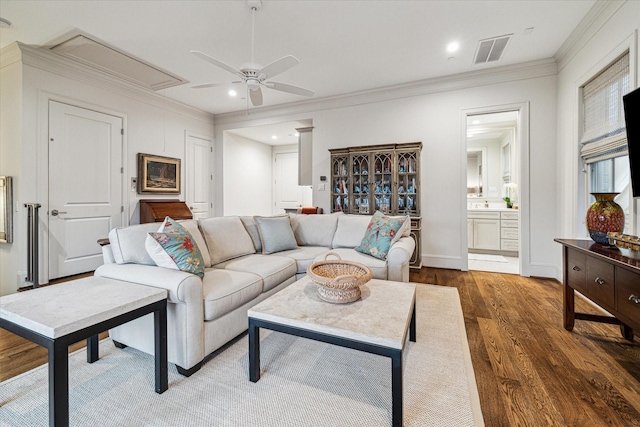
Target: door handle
{"points": [[56, 212]]}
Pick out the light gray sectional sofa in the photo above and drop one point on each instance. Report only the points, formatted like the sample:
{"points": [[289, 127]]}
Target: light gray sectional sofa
{"points": [[205, 313]]}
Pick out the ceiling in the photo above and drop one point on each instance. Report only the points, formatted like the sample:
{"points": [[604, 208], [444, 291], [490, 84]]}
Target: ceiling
{"points": [[284, 133], [344, 46]]}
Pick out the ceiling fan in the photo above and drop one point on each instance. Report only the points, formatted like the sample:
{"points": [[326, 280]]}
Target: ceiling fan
{"points": [[254, 75]]}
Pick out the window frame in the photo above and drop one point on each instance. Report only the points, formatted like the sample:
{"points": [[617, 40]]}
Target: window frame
{"points": [[582, 197]]}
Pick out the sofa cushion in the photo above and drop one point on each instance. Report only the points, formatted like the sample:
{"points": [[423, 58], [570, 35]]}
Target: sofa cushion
{"points": [[314, 230], [275, 233], [274, 269], [128, 244], [377, 266], [226, 238], [226, 290], [350, 230], [252, 228], [304, 256], [382, 231], [175, 250], [192, 227]]}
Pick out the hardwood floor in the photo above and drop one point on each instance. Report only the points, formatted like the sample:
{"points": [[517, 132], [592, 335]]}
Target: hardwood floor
{"points": [[532, 372], [529, 370]]}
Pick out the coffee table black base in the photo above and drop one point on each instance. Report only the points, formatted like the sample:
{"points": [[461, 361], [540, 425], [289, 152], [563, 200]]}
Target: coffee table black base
{"points": [[58, 356], [393, 353]]}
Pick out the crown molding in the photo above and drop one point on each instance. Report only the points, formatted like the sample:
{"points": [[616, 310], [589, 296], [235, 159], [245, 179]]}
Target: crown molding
{"points": [[50, 62], [487, 76], [10, 55], [593, 22]]}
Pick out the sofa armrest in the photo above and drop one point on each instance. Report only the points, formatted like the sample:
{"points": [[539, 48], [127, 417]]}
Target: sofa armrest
{"points": [[107, 254], [401, 251], [183, 287]]}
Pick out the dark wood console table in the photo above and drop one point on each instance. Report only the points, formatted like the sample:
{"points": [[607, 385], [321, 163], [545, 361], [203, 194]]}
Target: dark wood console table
{"points": [[608, 276]]}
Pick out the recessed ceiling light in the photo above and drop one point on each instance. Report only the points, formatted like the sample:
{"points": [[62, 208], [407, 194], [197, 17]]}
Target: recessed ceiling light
{"points": [[4, 23], [528, 31], [296, 134], [232, 92], [274, 136], [453, 46]]}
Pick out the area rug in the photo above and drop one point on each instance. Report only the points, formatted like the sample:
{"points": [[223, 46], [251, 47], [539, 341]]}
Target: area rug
{"points": [[303, 383], [487, 257]]}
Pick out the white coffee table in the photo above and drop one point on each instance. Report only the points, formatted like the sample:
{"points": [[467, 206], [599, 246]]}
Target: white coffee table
{"points": [[377, 323], [59, 315]]}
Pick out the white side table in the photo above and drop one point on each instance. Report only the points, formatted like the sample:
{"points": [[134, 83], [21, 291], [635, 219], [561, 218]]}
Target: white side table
{"points": [[59, 315]]}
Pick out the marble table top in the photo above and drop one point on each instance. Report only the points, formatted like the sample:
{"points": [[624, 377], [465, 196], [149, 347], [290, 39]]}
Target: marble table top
{"points": [[58, 310], [380, 317]]}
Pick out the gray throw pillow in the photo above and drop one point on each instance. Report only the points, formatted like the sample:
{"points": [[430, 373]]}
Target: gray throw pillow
{"points": [[275, 233]]}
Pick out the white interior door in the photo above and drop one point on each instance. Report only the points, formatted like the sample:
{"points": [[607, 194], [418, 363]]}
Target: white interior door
{"points": [[85, 186], [288, 194], [199, 179]]}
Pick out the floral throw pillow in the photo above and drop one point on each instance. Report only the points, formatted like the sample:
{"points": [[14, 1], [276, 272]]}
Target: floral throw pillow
{"points": [[380, 233], [171, 226], [177, 251]]}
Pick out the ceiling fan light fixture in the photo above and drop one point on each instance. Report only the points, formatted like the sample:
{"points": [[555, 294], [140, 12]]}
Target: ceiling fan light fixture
{"points": [[254, 75]]}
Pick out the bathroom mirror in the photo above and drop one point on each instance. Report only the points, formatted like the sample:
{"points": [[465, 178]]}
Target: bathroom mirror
{"points": [[476, 159], [6, 203]]}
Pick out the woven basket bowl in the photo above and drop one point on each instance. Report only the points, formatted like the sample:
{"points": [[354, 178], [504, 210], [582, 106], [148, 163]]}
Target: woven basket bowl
{"points": [[339, 281]]}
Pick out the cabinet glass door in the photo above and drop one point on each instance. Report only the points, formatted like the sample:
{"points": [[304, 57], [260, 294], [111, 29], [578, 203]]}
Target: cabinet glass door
{"points": [[339, 184], [360, 190], [382, 180], [407, 191]]}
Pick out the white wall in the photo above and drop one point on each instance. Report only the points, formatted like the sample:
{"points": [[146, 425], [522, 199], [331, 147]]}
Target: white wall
{"points": [[153, 125], [10, 115], [592, 52], [434, 116], [247, 176]]}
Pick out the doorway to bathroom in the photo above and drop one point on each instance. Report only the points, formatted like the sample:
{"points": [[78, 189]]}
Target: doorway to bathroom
{"points": [[493, 196]]}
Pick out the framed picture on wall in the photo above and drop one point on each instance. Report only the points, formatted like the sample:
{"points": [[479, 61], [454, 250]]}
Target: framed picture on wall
{"points": [[158, 175]]}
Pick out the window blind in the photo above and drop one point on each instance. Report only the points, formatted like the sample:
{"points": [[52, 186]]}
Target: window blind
{"points": [[603, 125]]}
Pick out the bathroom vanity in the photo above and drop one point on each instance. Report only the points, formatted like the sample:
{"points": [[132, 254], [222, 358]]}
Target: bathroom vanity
{"points": [[493, 230]]}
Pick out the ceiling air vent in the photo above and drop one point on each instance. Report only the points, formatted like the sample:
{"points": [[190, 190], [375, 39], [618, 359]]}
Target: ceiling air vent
{"points": [[490, 50], [98, 54]]}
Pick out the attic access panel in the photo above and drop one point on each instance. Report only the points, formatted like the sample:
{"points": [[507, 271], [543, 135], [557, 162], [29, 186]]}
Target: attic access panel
{"points": [[97, 54]]}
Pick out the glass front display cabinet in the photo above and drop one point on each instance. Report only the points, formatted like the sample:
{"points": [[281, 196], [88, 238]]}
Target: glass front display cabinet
{"points": [[383, 178]]}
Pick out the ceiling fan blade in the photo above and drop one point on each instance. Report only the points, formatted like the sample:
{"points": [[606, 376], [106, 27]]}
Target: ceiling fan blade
{"points": [[256, 97], [217, 63], [279, 66], [290, 89]]}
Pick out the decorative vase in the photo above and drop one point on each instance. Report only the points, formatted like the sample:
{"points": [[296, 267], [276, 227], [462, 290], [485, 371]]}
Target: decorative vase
{"points": [[603, 216]]}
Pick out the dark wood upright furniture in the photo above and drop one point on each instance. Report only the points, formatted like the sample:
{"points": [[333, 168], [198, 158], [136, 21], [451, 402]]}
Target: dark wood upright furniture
{"points": [[608, 276], [384, 178], [155, 210]]}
